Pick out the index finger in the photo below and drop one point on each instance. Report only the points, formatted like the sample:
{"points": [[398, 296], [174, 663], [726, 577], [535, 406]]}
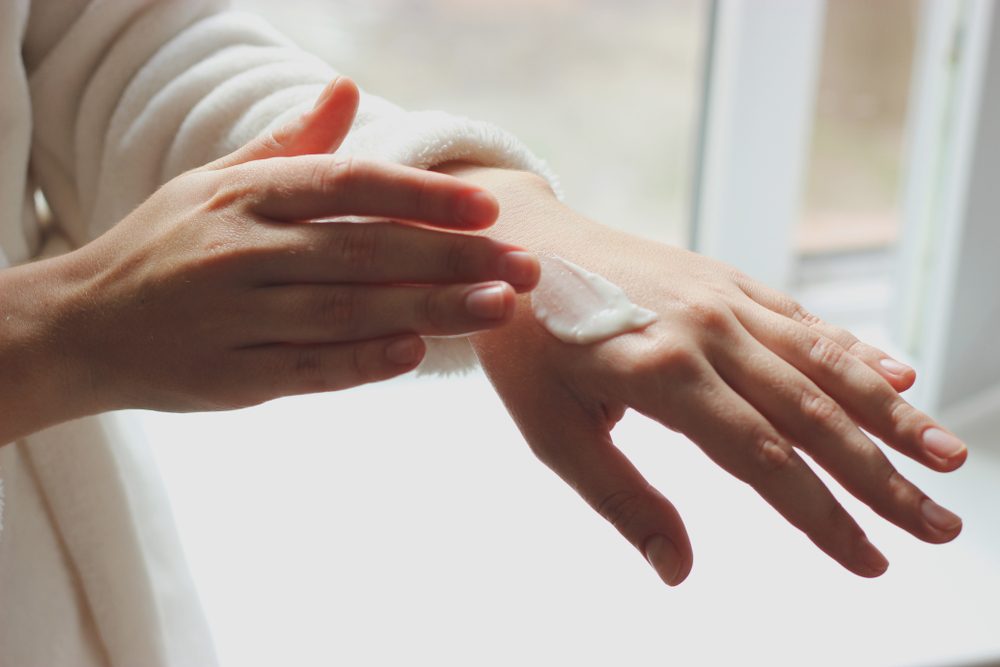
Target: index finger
{"points": [[312, 187]]}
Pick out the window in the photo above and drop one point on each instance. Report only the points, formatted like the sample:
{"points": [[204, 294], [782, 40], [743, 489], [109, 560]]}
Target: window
{"points": [[607, 92], [854, 172]]}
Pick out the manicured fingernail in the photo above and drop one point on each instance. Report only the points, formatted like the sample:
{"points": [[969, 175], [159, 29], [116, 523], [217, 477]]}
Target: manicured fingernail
{"points": [[872, 560], [519, 268], [327, 92], [939, 517], [894, 367], [942, 444], [478, 208], [488, 303], [665, 559], [404, 352]]}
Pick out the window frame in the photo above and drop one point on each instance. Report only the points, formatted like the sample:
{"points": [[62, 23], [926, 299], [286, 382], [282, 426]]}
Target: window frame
{"points": [[761, 73], [949, 204]]}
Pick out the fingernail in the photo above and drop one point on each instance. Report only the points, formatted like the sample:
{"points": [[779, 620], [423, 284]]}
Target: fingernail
{"points": [[478, 208], [519, 268], [327, 92], [488, 303], [872, 560], [665, 559], [942, 444], [404, 352], [939, 517], [894, 367]]}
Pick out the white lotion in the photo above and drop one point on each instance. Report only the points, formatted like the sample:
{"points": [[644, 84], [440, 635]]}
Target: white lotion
{"points": [[580, 307]]}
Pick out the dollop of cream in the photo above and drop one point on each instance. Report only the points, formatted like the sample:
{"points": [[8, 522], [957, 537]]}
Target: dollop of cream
{"points": [[580, 307]]}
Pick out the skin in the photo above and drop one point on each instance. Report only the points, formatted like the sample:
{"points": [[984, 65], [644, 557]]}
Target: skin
{"points": [[743, 371], [217, 293]]}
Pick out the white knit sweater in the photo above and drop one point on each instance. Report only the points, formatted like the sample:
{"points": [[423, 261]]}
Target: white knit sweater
{"points": [[103, 101]]}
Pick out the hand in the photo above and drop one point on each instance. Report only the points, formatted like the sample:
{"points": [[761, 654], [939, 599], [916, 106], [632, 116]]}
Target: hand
{"points": [[742, 370], [221, 292]]}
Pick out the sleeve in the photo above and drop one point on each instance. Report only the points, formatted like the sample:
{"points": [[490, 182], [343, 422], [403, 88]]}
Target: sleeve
{"points": [[127, 94]]}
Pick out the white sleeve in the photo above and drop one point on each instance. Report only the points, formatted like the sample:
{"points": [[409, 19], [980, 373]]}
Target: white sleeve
{"points": [[128, 94]]}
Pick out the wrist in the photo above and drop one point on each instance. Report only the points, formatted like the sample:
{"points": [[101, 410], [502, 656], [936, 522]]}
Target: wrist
{"points": [[44, 382], [531, 215]]}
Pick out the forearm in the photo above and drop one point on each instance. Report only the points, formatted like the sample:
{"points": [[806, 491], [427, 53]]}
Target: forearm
{"points": [[40, 383]]}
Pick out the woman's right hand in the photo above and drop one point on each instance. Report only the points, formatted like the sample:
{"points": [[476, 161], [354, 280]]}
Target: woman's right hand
{"points": [[221, 290]]}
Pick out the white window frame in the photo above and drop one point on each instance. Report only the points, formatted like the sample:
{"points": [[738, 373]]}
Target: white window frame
{"points": [[762, 68], [950, 254], [760, 87]]}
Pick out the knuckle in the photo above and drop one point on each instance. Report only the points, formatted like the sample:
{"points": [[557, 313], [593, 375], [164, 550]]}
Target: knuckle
{"points": [[361, 366], [826, 353], [621, 509], [271, 143], [433, 310], [341, 174], [801, 315], [771, 456], [817, 407], [708, 316], [900, 413], [457, 255], [309, 368], [358, 244], [855, 346], [223, 190], [838, 518], [422, 199], [339, 308], [896, 486], [678, 361]]}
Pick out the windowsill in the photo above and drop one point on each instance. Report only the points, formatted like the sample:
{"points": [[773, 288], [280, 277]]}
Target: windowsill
{"points": [[326, 530]]}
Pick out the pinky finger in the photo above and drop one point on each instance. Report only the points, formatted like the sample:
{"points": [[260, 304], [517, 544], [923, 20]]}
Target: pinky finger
{"points": [[287, 370]]}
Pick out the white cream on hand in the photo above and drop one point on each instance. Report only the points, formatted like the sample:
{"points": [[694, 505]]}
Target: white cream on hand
{"points": [[580, 307]]}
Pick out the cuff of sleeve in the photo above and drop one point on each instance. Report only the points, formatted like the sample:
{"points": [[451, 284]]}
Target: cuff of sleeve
{"points": [[425, 140]]}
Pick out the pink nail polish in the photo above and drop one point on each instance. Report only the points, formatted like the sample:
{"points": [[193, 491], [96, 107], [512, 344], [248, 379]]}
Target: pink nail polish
{"points": [[326, 93], [942, 444], [938, 517], [519, 268], [894, 367], [872, 560], [478, 208], [488, 303], [665, 559]]}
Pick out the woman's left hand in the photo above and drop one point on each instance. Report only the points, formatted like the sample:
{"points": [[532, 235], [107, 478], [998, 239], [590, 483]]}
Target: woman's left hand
{"points": [[740, 369]]}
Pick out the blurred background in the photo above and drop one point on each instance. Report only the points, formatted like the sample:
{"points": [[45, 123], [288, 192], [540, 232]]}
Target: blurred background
{"points": [[406, 523]]}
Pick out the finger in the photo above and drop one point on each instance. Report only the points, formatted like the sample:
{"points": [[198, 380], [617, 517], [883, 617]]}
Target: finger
{"points": [[286, 370], [331, 313], [898, 374], [383, 252], [741, 441], [313, 187], [801, 411], [319, 130], [868, 398], [578, 448]]}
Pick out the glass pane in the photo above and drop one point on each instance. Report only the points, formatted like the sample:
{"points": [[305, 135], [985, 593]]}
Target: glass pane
{"points": [[851, 200], [606, 91]]}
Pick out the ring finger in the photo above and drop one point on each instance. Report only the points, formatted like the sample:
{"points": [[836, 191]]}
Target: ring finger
{"points": [[817, 424]]}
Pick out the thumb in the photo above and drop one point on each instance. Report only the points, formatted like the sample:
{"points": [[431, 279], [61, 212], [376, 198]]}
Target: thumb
{"points": [[578, 448], [320, 130]]}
